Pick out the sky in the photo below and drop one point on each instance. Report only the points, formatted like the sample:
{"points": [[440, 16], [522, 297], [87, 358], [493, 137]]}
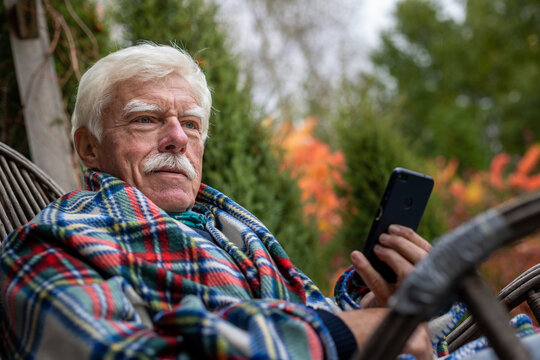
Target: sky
{"points": [[354, 23], [375, 15], [362, 19], [339, 29]]}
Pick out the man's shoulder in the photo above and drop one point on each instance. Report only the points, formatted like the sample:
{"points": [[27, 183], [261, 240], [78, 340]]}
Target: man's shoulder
{"points": [[75, 204]]}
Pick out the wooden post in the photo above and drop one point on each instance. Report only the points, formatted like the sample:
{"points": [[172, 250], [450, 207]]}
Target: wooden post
{"points": [[44, 114]]}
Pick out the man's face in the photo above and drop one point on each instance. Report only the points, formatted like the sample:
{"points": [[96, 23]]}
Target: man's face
{"points": [[149, 119]]}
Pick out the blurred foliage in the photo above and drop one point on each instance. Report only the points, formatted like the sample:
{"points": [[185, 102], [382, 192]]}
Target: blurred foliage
{"points": [[469, 89], [239, 158], [77, 39], [290, 48], [466, 195], [373, 147], [318, 170], [473, 192]]}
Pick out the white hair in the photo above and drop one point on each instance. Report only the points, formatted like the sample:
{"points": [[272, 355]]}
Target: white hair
{"points": [[142, 63]]}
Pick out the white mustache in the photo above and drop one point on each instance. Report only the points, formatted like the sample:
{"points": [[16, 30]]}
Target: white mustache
{"points": [[178, 162]]}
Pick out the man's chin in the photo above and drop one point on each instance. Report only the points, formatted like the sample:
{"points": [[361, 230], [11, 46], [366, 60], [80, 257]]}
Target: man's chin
{"points": [[172, 175], [174, 202], [171, 192]]}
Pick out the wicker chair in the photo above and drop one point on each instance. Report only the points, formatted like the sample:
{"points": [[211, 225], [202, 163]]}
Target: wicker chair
{"points": [[525, 288], [24, 190]]}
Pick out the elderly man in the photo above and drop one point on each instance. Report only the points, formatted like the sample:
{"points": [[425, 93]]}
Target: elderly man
{"points": [[149, 263]]}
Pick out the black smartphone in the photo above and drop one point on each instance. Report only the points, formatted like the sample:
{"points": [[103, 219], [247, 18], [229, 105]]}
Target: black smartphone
{"points": [[403, 203]]}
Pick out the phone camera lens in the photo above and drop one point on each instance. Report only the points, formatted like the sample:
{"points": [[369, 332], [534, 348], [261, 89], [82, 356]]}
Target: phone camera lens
{"points": [[407, 203]]}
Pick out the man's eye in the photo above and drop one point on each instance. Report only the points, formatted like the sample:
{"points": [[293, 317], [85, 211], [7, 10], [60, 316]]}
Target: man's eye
{"points": [[144, 120], [190, 124]]}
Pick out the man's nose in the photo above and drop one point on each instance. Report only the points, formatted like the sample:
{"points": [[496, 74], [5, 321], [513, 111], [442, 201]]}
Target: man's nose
{"points": [[173, 138]]}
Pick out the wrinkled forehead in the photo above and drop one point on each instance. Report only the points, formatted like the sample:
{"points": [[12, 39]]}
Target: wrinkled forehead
{"points": [[136, 83]]}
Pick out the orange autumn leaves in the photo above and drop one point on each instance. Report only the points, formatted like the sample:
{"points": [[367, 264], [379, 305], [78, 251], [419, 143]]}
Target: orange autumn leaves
{"points": [[318, 170], [522, 177], [477, 191]]}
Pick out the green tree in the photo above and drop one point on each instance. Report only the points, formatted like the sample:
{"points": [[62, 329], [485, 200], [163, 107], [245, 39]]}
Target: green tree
{"points": [[373, 146], [239, 159], [469, 89]]}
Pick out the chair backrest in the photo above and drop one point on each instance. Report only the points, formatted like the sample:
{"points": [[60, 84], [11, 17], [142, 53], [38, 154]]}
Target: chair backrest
{"points": [[24, 190]]}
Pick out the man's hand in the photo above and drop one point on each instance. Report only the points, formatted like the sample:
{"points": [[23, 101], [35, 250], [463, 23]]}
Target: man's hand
{"points": [[401, 248], [363, 323]]}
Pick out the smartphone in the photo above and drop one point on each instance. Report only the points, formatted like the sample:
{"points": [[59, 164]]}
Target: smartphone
{"points": [[403, 203]]}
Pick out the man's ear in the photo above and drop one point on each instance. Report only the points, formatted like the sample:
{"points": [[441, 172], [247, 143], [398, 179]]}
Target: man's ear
{"points": [[86, 145]]}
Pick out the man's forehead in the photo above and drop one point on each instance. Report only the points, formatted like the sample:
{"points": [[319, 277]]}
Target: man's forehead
{"points": [[134, 92], [138, 85]]}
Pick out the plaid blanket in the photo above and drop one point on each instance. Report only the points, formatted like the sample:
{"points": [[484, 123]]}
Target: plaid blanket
{"points": [[104, 273]]}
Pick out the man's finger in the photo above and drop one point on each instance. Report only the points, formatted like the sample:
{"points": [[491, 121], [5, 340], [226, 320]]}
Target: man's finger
{"points": [[373, 280], [410, 235], [407, 249], [401, 266]]}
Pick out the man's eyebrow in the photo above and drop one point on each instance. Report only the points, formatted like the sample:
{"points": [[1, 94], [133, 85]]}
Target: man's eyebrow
{"points": [[139, 106], [196, 111]]}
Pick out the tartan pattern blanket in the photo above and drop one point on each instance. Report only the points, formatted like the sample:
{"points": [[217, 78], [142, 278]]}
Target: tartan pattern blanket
{"points": [[104, 273], [118, 277]]}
